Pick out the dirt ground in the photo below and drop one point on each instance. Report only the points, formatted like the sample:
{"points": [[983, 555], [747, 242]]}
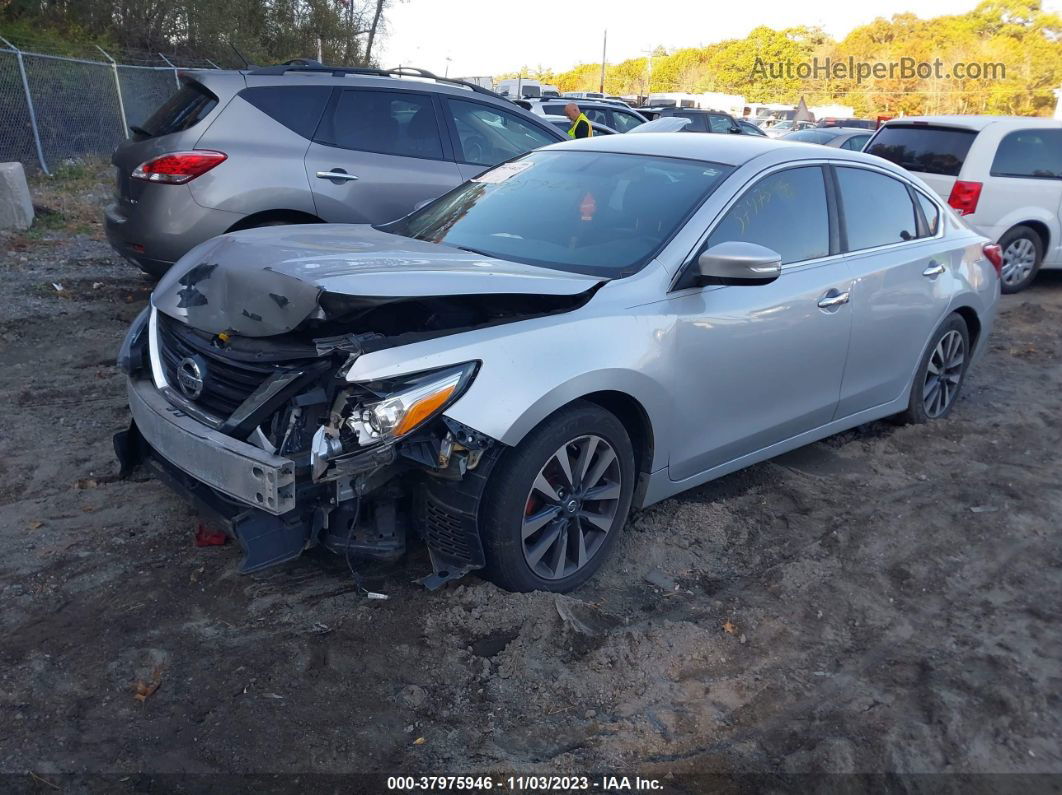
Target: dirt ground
{"points": [[886, 600]]}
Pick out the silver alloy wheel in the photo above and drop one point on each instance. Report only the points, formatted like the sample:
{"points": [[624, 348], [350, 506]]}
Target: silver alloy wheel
{"points": [[1019, 258], [944, 373], [571, 507]]}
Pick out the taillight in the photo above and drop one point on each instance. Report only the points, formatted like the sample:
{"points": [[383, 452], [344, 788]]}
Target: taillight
{"points": [[178, 168], [964, 196], [994, 254]]}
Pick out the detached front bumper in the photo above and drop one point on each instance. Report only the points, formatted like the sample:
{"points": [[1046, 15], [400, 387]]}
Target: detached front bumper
{"points": [[234, 468]]}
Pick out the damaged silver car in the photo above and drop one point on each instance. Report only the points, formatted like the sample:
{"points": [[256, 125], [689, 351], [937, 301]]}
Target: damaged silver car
{"points": [[506, 371]]}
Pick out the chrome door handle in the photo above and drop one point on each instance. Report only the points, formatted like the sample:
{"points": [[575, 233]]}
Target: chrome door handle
{"points": [[934, 270], [833, 299], [342, 176]]}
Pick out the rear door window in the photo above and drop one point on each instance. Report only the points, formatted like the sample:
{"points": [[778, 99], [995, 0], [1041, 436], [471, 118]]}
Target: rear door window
{"points": [[856, 143], [189, 106], [487, 135], [298, 108], [877, 209], [697, 121], [719, 124], [811, 136], [1035, 154], [785, 211], [597, 116], [623, 121], [387, 122], [924, 148]]}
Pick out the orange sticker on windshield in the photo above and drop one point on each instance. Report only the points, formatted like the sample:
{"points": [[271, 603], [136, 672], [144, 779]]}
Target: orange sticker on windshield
{"points": [[587, 207]]}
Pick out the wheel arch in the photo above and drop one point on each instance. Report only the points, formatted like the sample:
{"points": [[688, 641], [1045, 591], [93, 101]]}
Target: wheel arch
{"points": [[274, 216], [1039, 227], [973, 323], [639, 428], [639, 402]]}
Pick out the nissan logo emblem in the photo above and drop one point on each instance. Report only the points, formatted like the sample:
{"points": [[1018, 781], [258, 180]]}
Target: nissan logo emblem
{"points": [[190, 377]]}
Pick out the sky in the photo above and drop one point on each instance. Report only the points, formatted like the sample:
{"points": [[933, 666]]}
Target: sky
{"points": [[488, 37]]}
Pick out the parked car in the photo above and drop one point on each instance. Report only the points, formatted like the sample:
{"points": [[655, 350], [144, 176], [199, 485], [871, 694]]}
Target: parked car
{"points": [[1002, 174], [862, 124], [602, 112], [299, 144], [505, 371], [839, 137], [563, 123], [786, 126], [749, 128], [702, 121]]}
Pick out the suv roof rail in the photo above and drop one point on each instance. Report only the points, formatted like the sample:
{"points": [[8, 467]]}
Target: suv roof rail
{"points": [[306, 65]]}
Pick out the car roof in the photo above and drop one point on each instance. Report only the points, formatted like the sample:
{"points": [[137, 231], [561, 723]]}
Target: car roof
{"points": [[731, 150], [314, 75], [973, 122]]}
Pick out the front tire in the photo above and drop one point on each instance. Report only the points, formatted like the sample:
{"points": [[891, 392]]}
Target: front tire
{"points": [[1023, 251], [556, 502], [941, 373]]}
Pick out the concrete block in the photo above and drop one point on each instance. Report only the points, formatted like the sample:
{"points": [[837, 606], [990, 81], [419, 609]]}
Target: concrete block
{"points": [[16, 207]]}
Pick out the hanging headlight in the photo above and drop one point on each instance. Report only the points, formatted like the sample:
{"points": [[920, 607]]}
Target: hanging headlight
{"points": [[404, 404]]}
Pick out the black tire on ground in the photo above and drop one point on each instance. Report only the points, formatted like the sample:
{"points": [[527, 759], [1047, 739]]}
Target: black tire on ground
{"points": [[1019, 245], [153, 272], [946, 375], [509, 498]]}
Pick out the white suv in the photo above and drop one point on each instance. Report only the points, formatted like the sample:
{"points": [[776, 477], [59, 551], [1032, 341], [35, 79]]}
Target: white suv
{"points": [[1003, 174]]}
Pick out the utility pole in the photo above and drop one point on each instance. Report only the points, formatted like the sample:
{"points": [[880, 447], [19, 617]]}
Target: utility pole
{"points": [[604, 49], [649, 84]]}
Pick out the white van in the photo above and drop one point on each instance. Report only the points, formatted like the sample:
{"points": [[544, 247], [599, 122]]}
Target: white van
{"points": [[1003, 174]]}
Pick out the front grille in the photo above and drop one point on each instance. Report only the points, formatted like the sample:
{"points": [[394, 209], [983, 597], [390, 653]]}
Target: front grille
{"points": [[226, 382]]}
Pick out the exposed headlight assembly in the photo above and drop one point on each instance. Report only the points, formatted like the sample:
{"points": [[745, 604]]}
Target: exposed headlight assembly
{"points": [[134, 346], [393, 408]]}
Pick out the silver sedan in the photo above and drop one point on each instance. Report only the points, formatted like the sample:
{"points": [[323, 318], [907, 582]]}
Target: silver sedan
{"points": [[507, 371]]}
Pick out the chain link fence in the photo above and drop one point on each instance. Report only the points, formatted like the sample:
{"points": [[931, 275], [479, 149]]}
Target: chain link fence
{"points": [[56, 107]]}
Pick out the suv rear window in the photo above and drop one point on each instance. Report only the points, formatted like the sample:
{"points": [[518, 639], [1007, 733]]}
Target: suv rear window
{"points": [[1029, 153], [189, 106], [298, 108], [930, 150]]}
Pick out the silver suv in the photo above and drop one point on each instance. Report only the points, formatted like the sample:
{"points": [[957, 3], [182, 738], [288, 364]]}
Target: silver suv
{"points": [[302, 144], [595, 326]]}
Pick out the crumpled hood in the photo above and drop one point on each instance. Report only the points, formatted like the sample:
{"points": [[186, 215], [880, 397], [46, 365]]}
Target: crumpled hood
{"points": [[262, 282]]}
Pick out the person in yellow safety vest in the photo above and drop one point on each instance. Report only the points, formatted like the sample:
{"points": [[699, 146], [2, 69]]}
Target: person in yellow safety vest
{"points": [[580, 124]]}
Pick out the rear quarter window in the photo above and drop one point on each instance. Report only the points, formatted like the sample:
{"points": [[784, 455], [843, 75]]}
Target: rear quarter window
{"points": [[298, 108], [189, 106], [1035, 154], [926, 149]]}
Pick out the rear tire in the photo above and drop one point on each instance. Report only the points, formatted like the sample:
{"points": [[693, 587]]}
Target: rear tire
{"points": [[940, 374], [1023, 252], [543, 529]]}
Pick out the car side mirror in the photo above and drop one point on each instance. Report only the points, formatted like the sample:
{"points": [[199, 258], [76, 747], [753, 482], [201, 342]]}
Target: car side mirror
{"points": [[738, 263]]}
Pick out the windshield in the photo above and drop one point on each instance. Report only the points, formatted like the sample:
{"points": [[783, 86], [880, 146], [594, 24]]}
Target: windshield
{"points": [[599, 213]]}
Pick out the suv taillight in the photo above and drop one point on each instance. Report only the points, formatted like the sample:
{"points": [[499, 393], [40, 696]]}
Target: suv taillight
{"points": [[178, 168], [964, 196], [994, 254]]}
